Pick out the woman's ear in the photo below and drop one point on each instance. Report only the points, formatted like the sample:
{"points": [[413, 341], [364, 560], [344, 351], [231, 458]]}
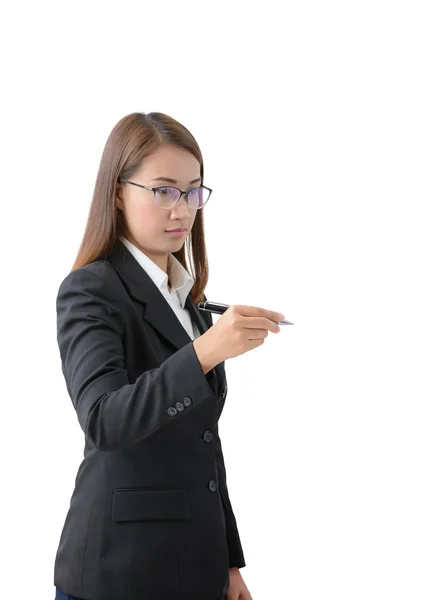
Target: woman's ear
{"points": [[118, 199]]}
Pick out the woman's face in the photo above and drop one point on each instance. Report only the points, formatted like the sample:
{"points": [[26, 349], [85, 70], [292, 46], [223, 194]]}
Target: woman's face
{"points": [[146, 221]]}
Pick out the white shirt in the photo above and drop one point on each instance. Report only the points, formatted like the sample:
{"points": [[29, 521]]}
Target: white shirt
{"points": [[181, 284]]}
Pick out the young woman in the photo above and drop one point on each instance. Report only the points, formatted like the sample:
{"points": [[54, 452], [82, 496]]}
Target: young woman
{"points": [[150, 516]]}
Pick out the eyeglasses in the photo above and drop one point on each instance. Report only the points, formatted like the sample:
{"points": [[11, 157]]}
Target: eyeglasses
{"points": [[167, 197]]}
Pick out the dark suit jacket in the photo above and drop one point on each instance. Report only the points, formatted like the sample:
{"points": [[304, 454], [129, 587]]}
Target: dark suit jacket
{"points": [[150, 516]]}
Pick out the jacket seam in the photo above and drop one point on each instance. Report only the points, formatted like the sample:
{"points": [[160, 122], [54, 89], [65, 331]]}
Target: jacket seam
{"points": [[86, 544]]}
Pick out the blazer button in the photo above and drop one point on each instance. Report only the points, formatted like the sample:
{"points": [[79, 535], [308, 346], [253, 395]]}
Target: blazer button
{"points": [[212, 485], [179, 406], [187, 401], [208, 436], [224, 392], [172, 411]]}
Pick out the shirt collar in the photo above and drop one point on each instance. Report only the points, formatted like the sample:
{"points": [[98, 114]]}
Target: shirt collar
{"points": [[180, 279]]}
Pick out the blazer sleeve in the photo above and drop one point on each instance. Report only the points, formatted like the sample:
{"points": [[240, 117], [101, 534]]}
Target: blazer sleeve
{"points": [[236, 555], [112, 411]]}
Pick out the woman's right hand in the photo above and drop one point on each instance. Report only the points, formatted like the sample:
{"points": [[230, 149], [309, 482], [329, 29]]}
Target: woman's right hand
{"points": [[239, 329]]}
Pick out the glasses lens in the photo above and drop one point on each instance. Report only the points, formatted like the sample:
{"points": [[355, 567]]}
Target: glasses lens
{"points": [[166, 196], [198, 197]]}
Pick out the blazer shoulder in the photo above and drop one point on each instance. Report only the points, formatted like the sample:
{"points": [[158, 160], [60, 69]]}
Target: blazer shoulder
{"points": [[90, 292], [96, 274], [97, 281]]}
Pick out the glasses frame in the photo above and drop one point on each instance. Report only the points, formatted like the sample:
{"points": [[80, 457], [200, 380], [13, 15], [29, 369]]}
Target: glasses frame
{"points": [[154, 190]]}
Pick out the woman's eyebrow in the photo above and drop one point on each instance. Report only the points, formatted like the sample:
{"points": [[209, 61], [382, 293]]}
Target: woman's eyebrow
{"points": [[173, 180]]}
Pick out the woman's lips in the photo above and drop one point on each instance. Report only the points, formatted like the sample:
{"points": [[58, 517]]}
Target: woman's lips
{"points": [[177, 232]]}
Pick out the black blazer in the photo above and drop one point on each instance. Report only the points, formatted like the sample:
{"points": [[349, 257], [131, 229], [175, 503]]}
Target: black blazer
{"points": [[150, 515]]}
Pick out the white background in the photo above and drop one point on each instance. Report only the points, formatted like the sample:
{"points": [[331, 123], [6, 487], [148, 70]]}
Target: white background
{"points": [[314, 122]]}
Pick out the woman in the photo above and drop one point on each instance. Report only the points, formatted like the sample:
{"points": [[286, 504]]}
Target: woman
{"points": [[150, 516]]}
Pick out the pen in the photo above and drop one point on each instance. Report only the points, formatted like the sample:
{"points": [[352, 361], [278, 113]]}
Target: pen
{"points": [[219, 309]]}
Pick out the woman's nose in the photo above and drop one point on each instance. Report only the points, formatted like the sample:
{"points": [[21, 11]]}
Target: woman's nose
{"points": [[182, 206]]}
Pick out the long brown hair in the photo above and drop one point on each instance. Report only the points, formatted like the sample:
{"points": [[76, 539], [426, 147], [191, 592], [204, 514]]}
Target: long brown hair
{"points": [[132, 139]]}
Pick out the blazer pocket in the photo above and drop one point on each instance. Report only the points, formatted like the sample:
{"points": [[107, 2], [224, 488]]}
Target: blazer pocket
{"points": [[135, 504]]}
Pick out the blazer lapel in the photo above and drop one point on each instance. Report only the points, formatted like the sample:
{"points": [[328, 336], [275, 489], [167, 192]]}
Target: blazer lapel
{"points": [[156, 310]]}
